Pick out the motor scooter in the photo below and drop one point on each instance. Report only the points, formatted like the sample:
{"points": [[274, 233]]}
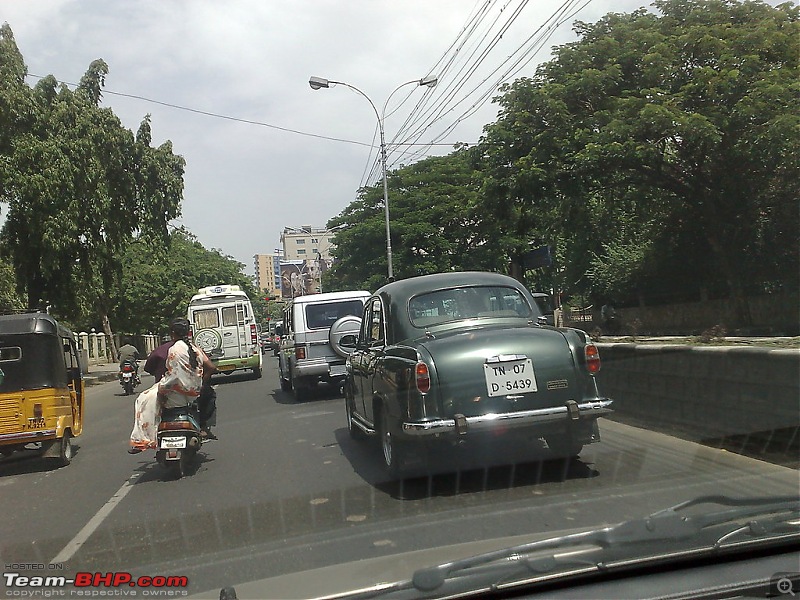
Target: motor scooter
{"points": [[129, 376], [178, 439]]}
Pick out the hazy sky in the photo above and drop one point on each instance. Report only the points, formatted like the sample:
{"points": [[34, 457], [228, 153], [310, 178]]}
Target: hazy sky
{"points": [[250, 60]]}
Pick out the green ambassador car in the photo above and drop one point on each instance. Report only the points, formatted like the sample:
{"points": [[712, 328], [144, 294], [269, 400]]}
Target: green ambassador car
{"points": [[466, 359]]}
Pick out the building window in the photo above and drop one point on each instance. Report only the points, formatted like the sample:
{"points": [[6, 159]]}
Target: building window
{"points": [[300, 241], [314, 241], [301, 251]]}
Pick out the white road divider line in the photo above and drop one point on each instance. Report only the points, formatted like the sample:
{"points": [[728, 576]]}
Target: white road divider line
{"points": [[75, 543]]}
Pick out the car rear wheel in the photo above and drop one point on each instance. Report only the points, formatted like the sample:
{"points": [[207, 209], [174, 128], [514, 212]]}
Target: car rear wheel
{"points": [[392, 449]]}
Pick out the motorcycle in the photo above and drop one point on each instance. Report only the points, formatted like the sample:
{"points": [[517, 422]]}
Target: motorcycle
{"points": [[129, 376], [178, 438]]}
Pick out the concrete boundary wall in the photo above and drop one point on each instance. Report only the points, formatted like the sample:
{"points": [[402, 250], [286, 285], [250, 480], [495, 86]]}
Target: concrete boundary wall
{"points": [[706, 392]]}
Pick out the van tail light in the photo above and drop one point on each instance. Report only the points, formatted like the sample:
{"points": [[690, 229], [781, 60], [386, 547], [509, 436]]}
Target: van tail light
{"points": [[253, 335], [423, 377], [300, 352], [592, 359]]}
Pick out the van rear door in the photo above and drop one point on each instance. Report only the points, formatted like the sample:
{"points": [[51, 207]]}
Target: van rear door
{"points": [[233, 330]]}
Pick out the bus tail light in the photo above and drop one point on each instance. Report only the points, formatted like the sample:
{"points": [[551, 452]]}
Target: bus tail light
{"points": [[592, 359]]}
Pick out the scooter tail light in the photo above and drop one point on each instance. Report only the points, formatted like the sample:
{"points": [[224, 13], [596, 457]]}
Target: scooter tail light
{"points": [[423, 377], [172, 425], [592, 359]]}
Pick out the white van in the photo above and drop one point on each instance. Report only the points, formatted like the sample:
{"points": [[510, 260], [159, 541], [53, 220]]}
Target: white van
{"points": [[224, 326], [309, 347]]}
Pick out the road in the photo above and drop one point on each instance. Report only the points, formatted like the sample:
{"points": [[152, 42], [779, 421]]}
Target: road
{"points": [[284, 488]]}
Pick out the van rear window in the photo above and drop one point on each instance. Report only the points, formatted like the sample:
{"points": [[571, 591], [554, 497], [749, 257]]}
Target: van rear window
{"points": [[319, 316], [206, 318]]}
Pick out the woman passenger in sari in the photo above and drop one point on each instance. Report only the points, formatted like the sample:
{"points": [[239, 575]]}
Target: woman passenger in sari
{"points": [[180, 385]]}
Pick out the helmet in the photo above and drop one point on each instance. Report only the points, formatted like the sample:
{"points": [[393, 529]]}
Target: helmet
{"points": [[179, 327]]}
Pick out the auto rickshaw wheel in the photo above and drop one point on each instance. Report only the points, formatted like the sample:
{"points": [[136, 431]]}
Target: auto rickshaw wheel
{"points": [[65, 449]]}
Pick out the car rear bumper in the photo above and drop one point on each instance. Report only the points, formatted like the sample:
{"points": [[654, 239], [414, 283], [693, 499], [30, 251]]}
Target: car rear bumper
{"points": [[571, 411], [319, 368]]}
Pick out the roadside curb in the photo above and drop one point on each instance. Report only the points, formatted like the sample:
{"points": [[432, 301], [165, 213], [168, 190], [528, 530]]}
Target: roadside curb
{"points": [[99, 377]]}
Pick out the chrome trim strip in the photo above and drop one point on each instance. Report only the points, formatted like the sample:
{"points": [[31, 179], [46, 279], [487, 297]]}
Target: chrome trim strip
{"points": [[361, 425], [592, 409]]}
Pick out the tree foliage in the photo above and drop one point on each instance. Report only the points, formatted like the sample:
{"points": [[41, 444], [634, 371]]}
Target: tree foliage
{"points": [[433, 210], [158, 281], [79, 187], [668, 143]]}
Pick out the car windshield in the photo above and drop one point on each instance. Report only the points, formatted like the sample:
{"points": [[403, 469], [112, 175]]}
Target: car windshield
{"points": [[474, 302], [480, 294]]}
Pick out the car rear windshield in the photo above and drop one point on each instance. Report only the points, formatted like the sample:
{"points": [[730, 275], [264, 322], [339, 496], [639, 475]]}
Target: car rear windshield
{"points": [[461, 303], [320, 316]]}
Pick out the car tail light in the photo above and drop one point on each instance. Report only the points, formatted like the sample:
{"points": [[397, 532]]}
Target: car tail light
{"points": [[423, 377], [300, 352], [592, 359]]}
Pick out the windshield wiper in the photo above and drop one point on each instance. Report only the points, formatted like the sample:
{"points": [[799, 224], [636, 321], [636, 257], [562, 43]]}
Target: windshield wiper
{"points": [[780, 517]]}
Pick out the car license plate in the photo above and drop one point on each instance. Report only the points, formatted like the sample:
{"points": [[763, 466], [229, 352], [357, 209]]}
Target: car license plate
{"points": [[173, 442], [510, 377]]}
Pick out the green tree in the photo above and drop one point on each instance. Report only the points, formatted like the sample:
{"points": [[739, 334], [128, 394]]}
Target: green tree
{"points": [[158, 281], [653, 129], [433, 225], [79, 187]]}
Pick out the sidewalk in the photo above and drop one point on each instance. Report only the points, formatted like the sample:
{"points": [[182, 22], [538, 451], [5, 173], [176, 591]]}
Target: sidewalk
{"points": [[101, 373]]}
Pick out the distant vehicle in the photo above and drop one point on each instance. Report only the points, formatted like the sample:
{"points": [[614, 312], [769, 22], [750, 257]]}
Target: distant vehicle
{"points": [[463, 357], [224, 326], [275, 333], [312, 328]]}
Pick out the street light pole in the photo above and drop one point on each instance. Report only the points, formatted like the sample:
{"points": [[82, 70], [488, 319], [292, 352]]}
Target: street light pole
{"points": [[318, 83]]}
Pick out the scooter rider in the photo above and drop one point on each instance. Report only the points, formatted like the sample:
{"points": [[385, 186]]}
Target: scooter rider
{"points": [[185, 362]]}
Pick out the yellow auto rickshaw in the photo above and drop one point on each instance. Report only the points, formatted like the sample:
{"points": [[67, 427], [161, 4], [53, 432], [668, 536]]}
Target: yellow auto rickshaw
{"points": [[41, 387]]}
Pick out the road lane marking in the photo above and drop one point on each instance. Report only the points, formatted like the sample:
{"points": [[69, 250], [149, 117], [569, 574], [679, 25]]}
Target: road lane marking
{"points": [[318, 413], [75, 543]]}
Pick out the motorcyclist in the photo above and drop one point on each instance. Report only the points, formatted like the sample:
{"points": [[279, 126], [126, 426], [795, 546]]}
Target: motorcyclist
{"points": [[130, 354], [127, 352]]}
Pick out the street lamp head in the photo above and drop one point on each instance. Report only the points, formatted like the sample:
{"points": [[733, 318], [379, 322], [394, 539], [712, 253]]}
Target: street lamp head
{"points": [[429, 81], [318, 82]]}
